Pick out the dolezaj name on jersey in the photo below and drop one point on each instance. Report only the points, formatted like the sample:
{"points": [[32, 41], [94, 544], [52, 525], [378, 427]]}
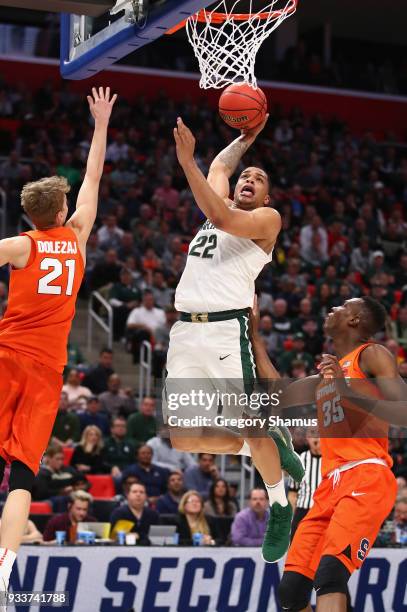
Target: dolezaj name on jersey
{"points": [[56, 247]]}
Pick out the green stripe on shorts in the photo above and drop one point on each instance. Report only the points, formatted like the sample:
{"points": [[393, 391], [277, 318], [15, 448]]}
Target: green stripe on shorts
{"points": [[246, 355]]}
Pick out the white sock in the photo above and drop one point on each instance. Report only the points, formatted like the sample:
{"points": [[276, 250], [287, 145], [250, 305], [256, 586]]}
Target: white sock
{"points": [[276, 493], [245, 450], [7, 558]]}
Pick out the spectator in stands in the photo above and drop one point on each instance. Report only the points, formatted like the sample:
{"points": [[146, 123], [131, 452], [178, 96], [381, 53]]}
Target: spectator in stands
{"points": [[123, 297], [200, 477], [361, 256], [281, 323], [87, 456], [134, 516], [53, 478], [163, 295], [400, 520], [94, 417], [162, 339], [31, 534], [304, 314], [118, 450], [118, 149], [192, 520], [174, 248], [97, 377], [272, 340], [167, 457], [168, 193], [297, 353], [399, 327], [105, 271], [403, 369], [94, 253], [142, 425], [75, 357], [143, 322], [66, 169], [75, 390], [313, 341], [169, 502], [78, 511], [250, 524], [127, 249], [154, 478], [314, 242], [219, 502], [11, 169], [109, 234], [116, 400], [67, 426]]}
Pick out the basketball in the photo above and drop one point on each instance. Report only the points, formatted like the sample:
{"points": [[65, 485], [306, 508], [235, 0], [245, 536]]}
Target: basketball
{"points": [[242, 107]]}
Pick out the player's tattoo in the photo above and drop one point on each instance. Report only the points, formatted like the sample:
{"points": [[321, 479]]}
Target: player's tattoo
{"points": [[233, 153]]}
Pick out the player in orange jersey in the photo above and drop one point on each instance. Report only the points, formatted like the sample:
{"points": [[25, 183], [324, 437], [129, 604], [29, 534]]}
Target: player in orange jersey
{"points": [[47, 267], [358, 489]]}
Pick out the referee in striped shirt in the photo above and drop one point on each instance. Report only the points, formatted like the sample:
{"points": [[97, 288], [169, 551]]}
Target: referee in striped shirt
{"points": [[300, 495]]}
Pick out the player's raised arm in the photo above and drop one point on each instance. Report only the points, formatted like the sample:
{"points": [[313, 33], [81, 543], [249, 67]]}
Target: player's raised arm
{"points": [[256, 224], [225, 163], [298, 393], [100, 104]]}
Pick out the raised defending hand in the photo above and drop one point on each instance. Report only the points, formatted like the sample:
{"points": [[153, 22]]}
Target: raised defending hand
{"points": [[185, 142], [101, 104], [251, 135]]}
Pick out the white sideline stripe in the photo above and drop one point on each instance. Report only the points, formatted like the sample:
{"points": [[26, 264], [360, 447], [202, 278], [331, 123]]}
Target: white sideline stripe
{"points": [[194, 76]]}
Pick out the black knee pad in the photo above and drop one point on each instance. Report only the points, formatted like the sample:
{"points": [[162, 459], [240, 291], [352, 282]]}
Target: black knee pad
{"points": [[331, 576], [21, 477], [294, 591]]}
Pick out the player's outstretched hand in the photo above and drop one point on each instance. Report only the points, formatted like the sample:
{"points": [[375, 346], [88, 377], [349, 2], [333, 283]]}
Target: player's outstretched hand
{"points": [[251, 135], [101, 104], [185, 142]]}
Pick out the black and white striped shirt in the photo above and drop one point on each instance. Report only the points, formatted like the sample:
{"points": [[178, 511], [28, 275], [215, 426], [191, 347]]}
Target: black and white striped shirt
{"points": [[311, 480]]}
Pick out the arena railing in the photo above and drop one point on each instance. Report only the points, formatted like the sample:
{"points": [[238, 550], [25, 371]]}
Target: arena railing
{"points": [[145, 371], [94, 316], [3, 213]]}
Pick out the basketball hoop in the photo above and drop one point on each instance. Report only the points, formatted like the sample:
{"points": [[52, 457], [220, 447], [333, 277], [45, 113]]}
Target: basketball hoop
{"points": [[226, 40]]}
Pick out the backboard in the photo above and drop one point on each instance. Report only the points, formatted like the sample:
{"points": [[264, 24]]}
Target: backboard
{"points": [[90, 45]]}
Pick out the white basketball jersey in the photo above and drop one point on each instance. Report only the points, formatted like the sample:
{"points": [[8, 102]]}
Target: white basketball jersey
{"points": [[220, 272]]}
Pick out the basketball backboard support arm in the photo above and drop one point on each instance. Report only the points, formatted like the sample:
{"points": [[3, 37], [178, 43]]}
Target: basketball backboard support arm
{"points": [[83, 56]]}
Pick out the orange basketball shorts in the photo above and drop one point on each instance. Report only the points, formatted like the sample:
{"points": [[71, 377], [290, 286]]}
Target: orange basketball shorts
{"points": [[344, 520], [29, 399]]}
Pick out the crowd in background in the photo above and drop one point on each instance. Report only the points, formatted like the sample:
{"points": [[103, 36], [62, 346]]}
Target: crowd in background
{"points": [[342, 199]]}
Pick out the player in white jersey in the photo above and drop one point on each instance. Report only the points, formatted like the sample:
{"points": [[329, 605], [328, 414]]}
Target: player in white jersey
{"points": [[210, 344]]}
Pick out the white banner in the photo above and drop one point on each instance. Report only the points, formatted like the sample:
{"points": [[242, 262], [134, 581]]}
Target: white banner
{"points": [[109, 579]]}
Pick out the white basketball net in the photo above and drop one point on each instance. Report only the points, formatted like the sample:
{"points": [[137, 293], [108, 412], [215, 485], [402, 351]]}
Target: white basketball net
{"points": [[226, 49]]}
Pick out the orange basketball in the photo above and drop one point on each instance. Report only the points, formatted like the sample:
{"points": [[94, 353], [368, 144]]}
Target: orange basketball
{"points": [[241, 106]]}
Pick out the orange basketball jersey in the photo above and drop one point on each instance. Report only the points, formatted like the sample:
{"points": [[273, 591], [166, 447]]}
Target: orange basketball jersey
{"points": [[349, 433], [42, 298]]}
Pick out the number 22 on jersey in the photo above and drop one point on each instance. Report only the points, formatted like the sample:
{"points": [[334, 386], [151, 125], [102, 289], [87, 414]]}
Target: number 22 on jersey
{"points": [[56, 268]]}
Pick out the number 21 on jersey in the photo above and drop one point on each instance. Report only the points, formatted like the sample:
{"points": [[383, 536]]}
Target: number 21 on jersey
{"points": [[56, 268]]}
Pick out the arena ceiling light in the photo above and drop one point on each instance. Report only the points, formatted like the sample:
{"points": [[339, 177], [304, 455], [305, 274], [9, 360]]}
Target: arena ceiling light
{"points": [[90, 8]]}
